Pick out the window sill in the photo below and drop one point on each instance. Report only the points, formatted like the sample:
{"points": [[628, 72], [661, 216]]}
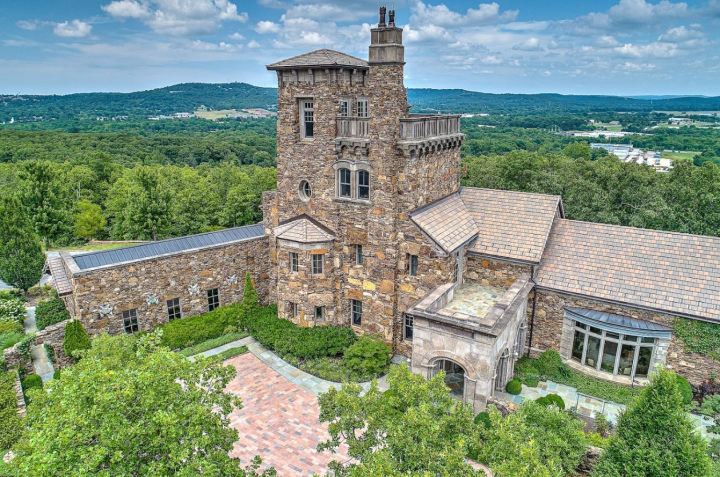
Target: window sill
{"points": [[349, 200]]}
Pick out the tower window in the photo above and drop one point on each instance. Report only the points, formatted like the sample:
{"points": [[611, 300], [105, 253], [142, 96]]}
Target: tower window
{"points": [[305, 190], [408, 327], [344, 107], [317, 263], [307, 117], [412, 264], [362, 108], [173, 309], [358, 254], [319, 313], [292, 309], [344, 188], [356, 312], [130, 321], [293, 261], [363, 181]]}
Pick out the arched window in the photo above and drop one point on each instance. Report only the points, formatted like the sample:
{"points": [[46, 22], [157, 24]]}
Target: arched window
{"points": [[344, 183], [363, 184], [501, 371], [454, 376]]}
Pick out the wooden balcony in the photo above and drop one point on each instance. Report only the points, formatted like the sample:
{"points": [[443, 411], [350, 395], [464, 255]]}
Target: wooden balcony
{"points": [[348, 127], [421, 127]]}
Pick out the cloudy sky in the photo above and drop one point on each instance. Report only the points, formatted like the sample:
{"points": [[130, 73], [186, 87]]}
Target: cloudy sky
{"points": [[623, 47]]}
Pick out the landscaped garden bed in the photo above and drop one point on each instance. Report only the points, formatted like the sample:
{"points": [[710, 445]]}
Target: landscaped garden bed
{"points": [[212, 343], [10, 422], [50, 312], [12, 314]]}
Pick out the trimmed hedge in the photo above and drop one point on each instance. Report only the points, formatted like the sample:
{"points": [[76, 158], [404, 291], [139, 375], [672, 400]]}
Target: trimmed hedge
{"points": [[514, 386], [368, 356], [685, 389], [10, 423], [76, 338], [186, 332], [50, 312], [551, 399]]}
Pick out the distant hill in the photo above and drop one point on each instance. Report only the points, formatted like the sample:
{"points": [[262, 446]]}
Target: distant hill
{"points": [[187, 97]]}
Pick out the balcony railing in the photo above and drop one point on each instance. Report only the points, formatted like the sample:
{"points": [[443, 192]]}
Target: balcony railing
{"points": [[415, 128], [353, 127]]}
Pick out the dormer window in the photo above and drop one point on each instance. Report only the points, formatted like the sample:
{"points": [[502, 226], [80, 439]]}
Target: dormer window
{"points": [[362, 108], [307, 118]]}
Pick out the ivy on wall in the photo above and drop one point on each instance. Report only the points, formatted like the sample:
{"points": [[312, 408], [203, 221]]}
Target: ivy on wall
{"points": [[698, 337]]}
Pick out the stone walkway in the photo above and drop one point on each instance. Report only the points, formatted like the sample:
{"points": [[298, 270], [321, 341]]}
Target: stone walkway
{"points": [[279, 420], [40, 360]]}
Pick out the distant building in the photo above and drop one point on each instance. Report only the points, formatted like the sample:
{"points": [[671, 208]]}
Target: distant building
{"points": [[627, 153]]}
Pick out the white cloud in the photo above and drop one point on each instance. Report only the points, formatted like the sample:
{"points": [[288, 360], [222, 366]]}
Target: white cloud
{"points": [[253, 44], [28, 24], [177, 17], [640, 11], [266, 26], [649, 50], [484, 14], [425, 33], [72, 29], [531, 44], [682, 33], [237, 36], [347, 11], [606, 41]]}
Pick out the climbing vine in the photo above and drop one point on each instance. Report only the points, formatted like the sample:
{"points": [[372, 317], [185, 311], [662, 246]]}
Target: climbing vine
{"points": [[699, 337]]}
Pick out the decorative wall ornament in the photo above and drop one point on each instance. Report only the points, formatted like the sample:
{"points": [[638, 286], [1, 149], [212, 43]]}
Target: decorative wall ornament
{"points": [[105, 309], [194, 289], [231, 280], [152, 299], [173, 283]]}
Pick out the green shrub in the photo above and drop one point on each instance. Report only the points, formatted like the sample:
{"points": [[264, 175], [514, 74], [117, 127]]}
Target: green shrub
{"points": [[10, 327], [368, 356], [551, 400], [514, 386], [213, 343], [50, 312], [192, 330], [50, 351], [76, 338], [685, 388], [602, 425], [7, 340], [531, 380], [31, 381], [12, 309], [483, 418], [10, 423], [250, 299], [550, 363]]}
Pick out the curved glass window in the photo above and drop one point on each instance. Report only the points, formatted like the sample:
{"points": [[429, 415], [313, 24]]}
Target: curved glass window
{"points": [[454, 376], [612, 352], [363, 184], [305, 190], [344, 183]]}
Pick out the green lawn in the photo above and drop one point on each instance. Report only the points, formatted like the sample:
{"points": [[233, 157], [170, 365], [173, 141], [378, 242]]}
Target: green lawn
{"points": [[212, 343], [608, 127], [680, 155]]}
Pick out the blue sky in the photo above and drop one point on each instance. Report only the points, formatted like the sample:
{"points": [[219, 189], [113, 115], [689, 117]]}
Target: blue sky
{"points": [[624, 47]]}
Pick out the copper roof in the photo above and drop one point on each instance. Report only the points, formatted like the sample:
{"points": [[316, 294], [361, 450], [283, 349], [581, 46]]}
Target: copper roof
{"points": [[512, 225], [303, 229], [320, 58], [665, 271], [447, 222], [60, 279]]}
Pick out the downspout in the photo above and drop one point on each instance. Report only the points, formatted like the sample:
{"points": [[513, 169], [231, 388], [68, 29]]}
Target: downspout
{"points": [[532, 314]]}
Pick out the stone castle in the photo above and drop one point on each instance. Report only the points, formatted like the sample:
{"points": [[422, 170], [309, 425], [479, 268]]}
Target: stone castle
{"points": [[369, 228]]}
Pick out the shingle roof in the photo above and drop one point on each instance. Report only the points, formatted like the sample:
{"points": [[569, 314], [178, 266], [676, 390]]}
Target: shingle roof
{"points": [[60, 280], [320, 58], [512, 225], [303, 230], [447, 222], [169, 246], [670, 272]]}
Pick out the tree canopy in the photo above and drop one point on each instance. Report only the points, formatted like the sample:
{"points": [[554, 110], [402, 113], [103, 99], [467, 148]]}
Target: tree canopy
{"points": [[21, 255]]}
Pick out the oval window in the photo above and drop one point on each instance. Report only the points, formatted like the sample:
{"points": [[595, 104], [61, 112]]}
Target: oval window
{"points": [[305, 190]]}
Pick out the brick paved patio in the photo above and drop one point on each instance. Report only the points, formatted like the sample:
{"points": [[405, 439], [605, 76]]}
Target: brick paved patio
{"points": [[278, 421]]}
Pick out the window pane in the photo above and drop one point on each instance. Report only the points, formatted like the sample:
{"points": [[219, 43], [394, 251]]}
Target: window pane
{"points": [[363, 184], [593, 350], [412, 265], [595, 330], [356, 312], [580, 325], [344, 182], [627, 354], [343, 108], [358, 254], [643, 363], [213, 299], [578, 345], [408, 327], [648, 340], [608, 359], [612, 335]]}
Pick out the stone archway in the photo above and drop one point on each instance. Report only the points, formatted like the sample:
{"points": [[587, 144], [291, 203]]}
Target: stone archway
{"points": [[454, 376]]}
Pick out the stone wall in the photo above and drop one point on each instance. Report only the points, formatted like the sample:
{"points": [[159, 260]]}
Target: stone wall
{"points": [[54, 336], [493, 272], [102, 295], [548, 332], [15, 358]]}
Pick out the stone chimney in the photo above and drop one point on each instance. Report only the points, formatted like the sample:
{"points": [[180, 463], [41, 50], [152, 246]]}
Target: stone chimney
{"points": [[386, 42]]}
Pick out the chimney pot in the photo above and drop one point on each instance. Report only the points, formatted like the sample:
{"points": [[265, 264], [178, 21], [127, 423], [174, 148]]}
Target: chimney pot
{"points": [[392, 18], [381, 23]]}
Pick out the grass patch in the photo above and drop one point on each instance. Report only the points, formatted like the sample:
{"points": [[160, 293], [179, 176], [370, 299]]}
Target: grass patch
{"points": [[94, 247], [212, 343], [229, 353], [549, 366], [680, 155], [10, 422]]}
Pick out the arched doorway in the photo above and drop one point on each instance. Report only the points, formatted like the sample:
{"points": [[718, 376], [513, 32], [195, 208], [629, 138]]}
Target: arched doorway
{"points": [[501, 371], [454, 376]]}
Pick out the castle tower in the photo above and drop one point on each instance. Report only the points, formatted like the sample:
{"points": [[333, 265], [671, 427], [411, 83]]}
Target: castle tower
{"points": [[351, 165]]}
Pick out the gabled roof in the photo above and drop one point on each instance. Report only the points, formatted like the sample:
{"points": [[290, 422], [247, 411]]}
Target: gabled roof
{"points": [[166, 247], [303, 229], [664, 271], [60, 279], [320, 58], [512, 225], [447, 222]]}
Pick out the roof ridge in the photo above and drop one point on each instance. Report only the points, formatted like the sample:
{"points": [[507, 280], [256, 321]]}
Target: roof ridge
{"points": [[618, 226]]}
